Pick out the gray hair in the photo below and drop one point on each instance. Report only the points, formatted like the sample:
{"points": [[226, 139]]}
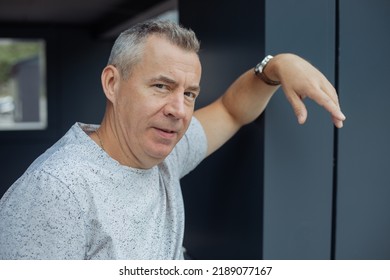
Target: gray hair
{"points": [[128, 48]]}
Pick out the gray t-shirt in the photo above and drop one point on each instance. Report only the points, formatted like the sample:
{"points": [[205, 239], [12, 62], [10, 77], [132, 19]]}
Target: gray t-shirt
{"points": [[76, 202]]}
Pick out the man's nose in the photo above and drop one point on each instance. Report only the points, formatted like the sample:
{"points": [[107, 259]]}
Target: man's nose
{"points": [[176, 106]]}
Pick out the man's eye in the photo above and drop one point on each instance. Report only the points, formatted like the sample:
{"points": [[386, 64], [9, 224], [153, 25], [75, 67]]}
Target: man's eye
{"points": [[190, 95], [160, 86]]}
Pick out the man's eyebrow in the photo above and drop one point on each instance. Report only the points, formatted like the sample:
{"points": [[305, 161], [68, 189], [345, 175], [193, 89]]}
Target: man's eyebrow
{"points": [[168, 80], [165, 79], [194, 88]]}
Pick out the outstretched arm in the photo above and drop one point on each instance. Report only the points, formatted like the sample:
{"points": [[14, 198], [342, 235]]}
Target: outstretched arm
{"points": [[248, 96]]}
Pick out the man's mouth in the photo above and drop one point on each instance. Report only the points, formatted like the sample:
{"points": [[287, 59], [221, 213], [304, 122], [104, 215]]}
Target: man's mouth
{"points": [[166, 132]]}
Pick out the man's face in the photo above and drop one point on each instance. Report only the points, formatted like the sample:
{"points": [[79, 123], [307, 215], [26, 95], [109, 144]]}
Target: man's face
{"points": [[155, 104]]}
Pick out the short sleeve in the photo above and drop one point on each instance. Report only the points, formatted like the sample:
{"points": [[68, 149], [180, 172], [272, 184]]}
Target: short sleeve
{"points": [[191, 149]]}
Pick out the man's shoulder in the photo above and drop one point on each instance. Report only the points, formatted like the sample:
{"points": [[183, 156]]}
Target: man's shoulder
{"points": [[190, 150]]}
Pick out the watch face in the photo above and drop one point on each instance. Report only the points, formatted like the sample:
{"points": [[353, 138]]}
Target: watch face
{"points": [[259, 68], [265, 61], [259, 71]]}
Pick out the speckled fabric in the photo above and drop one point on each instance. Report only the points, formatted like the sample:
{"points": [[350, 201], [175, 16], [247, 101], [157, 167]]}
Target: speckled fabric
{"points": [[75, 202]]}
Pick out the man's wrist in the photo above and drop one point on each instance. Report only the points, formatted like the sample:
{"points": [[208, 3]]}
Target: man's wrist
{"points": [[260, 71]]}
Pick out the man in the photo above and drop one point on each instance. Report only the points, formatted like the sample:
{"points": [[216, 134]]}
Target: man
{"points": [[113, 191]]}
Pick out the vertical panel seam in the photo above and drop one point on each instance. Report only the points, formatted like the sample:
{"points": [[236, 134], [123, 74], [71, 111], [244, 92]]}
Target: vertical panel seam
{"points": [[335, 137]]}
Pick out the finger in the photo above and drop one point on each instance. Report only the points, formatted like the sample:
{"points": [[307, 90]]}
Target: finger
{"points": [[331, 106], [338, 123], [298, 107], [331, 92]]}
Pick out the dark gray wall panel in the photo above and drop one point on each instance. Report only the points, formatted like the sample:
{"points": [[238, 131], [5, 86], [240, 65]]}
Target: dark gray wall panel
{"points": [[298, 159], [363, 209], [223, 196]]}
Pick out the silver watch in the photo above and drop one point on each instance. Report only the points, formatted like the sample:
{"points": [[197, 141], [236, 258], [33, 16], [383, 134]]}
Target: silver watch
{"points": [[259, 71]]}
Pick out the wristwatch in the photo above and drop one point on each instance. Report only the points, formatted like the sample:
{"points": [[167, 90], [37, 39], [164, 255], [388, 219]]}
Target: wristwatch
{"points": [[259, 71]]}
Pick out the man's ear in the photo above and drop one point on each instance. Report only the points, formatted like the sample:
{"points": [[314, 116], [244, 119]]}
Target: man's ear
{"points": [[110, 82]]}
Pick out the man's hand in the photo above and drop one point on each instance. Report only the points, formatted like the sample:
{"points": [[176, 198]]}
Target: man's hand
{"points": [[299, 80], [248, 96]]}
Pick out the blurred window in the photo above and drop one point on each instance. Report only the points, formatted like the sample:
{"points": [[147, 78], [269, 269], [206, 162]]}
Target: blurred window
{"points": [[23, 104]]}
